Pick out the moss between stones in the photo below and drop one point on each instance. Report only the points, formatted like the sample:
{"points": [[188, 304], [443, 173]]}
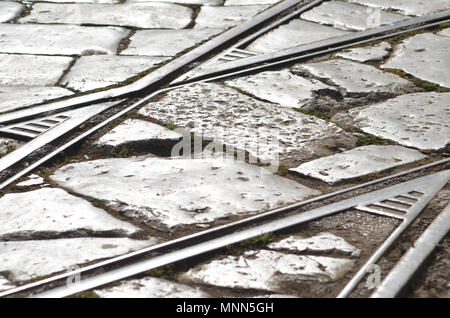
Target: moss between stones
{"points": [[372, 140]]}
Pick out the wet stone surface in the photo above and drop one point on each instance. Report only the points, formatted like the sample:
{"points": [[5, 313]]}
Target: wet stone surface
{"points": [[281, 87], [25, 260], [358, 162], [151, 287], [426, 56], [225, 17], [168, 192], [9, 10], [32, 180], [369, 53], [31, 70], [140, 15], [137, 133], [15, 97], [266, 131], [418, 120], [355, 78], [407, 7], [296, 32], [270, 270], [349, 16], [91, 72], [5, 284], [53, 212], [59, 39], [154, 42]]}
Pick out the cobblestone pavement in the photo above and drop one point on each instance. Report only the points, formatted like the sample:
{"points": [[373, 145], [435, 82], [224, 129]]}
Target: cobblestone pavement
{"points": [[308, 129]]}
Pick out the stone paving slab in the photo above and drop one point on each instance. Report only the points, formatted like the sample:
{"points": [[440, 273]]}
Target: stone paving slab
{"points": [[408, 7], [50, 211], [321, 243], [32, 70], [138, 132], [98, 71], [374, 53], [10, 10], [445, 32], [5, 284], [358, 162], [151, 287], [78, 1], [59, 39], [16, 97], [170, 192], [139, 15], [248, 2], [349, 16], [296, 32], [417, 120], [25, 260], [281, 87], [356, 78], [155, 42], [225, 17], [266, 131], [267, 270], [426, 56], [32, 180], [194, 2]]}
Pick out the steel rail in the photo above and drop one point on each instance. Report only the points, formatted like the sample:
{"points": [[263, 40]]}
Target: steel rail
{"points": [[158, 77], [322, 46], [203, 233], [433, 183], [408, 265], [212, 232]]}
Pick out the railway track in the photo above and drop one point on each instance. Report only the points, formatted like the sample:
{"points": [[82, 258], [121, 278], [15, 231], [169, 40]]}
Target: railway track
{"points": [[413, 188]]}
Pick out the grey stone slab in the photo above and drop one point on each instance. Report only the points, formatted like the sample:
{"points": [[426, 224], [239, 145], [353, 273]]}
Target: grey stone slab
{"points": [[155, 42], [225, 17], [151, 287], [194, 2], [98, 71], [349, 16], [10, 10], [281, 87], [408, 7], [264, 130], [25, 260], [356, 78], [32, 70], [321, 243], [445, 32], [5, 284], [135, 131], [50, 211], [417, 120], [296, 32], [248, 2], [170, 192], [368, 53], [268, 270], [426, 56], [139, 15], [59, 39], [78, 1], [17, 97], [358, 162], [32, 180]]}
